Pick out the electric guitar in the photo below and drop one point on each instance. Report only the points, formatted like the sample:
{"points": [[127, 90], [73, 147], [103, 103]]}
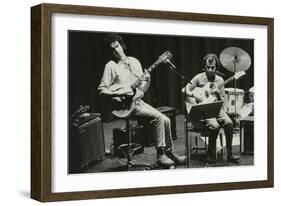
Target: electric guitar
{"points": [[126, 106], [210, 92]]}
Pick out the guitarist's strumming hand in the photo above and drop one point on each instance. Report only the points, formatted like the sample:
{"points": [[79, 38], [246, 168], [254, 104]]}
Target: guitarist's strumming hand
{"points": [[145, 81], [121, 97], [123, 93], [197, 97], [218, 95]]}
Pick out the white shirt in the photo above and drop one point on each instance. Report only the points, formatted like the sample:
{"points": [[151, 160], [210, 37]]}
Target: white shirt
{"points": [[120, 74]]}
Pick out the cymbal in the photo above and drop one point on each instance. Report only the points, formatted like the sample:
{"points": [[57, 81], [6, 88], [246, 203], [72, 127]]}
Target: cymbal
{"points": [[235, 59]]}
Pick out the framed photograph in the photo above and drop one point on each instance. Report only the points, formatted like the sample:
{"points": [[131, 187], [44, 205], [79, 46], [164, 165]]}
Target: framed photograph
{"points": [[130, 102]]}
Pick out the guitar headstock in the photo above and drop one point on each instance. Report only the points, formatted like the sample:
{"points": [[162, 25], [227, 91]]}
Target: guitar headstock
{"points": [[166, 56], [237, 75]]}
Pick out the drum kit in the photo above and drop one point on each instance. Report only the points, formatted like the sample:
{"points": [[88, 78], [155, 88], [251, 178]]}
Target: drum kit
{"points": [[235, 60]]}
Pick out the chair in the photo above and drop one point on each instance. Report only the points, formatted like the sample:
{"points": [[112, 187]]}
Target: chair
{"points": [[195, 116], [200, 131]]}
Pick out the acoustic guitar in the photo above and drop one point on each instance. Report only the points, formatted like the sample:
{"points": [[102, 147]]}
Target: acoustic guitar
{"points": [[126, 106], [210, 92]]}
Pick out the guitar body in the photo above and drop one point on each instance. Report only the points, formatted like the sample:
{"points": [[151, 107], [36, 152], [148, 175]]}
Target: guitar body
{"points": [[208, 93], [126, 106]]}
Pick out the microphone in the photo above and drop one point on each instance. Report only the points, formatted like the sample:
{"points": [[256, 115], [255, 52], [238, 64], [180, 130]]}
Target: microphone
{"points": [[171, 64]]}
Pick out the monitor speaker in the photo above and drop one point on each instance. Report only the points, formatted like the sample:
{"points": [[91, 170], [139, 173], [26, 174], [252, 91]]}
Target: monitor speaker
{"points": [[247, 135]]}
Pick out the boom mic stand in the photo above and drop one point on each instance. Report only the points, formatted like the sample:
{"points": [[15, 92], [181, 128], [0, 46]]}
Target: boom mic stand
{"points": [[183, 83]]}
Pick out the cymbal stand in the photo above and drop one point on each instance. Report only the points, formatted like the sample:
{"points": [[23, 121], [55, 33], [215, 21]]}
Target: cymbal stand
{"points": [[235, 60], [187, 142]]}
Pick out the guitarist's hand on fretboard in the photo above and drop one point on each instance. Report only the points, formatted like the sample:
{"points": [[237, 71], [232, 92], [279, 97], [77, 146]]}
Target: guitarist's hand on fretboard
{"points": [[147, 76]]}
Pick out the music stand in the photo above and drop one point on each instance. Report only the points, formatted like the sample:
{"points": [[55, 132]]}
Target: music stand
{"points": [[199, 112], [204, 111]]}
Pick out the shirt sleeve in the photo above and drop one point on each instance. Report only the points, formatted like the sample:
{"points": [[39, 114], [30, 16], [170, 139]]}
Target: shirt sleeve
{"points": [[107, 78], [193, 83], [137, 67], [222, 93]]}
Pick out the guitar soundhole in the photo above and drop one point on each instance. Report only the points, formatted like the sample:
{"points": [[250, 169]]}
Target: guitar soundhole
{"points": [[122, 104]]}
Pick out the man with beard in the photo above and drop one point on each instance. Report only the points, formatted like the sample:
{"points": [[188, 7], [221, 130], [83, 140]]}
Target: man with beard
{"points": [[211, 63]]}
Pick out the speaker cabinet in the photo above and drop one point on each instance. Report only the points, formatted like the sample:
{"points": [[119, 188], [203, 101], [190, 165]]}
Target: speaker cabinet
{"points": [[247, 135], [86, 144]]}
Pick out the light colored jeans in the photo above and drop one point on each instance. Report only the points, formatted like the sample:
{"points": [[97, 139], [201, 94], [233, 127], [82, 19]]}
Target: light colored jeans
{"points": [[221, 121], [160, 123], [214, 124]]}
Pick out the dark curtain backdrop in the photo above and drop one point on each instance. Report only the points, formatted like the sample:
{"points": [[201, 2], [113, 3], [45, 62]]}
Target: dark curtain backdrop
{"points": [[87, 57]]}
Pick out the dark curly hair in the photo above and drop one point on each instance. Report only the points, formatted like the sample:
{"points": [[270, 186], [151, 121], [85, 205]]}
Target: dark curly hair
{"points": [[211, 56], [110, 38]]}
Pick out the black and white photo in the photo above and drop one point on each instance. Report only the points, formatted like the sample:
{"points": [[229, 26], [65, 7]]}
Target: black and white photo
{"points": [[130, 102], [130, 98]]}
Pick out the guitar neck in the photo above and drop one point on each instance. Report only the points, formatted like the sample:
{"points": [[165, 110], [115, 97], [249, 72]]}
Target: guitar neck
{"points": [[226, 82], [153, 66], [149, 70]]}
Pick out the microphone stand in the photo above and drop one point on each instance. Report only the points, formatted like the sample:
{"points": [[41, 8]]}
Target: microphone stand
{"points": [[187, 141]]}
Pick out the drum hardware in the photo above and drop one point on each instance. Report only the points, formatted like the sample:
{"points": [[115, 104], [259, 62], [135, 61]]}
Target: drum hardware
{"points": [[234, 60], [251, 94], [233, 101], [248, 108]]}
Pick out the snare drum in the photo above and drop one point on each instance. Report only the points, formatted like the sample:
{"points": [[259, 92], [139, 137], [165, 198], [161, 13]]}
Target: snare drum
{"points": [[229, 100]]}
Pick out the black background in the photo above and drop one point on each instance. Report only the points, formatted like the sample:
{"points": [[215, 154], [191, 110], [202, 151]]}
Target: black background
{"points": [[87, 57]]}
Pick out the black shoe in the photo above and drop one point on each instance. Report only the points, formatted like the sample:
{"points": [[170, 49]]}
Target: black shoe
{"points": [[178, 159], [233, 159], [210, 159]]}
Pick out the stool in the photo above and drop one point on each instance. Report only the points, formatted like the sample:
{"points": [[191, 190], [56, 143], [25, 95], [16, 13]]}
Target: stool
{"points": [[129, 149], [120, 137]]}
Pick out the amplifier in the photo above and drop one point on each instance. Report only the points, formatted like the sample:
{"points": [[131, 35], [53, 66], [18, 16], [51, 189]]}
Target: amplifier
{"points": [[86, 144], [247, 135]]}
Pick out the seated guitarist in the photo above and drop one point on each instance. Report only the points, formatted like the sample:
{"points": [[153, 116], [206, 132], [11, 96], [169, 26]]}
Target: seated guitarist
{"points": [[211, 63], [118, 71]]}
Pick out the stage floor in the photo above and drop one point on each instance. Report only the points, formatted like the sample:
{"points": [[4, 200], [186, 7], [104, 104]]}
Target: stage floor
{"points": [[110, 163]]}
